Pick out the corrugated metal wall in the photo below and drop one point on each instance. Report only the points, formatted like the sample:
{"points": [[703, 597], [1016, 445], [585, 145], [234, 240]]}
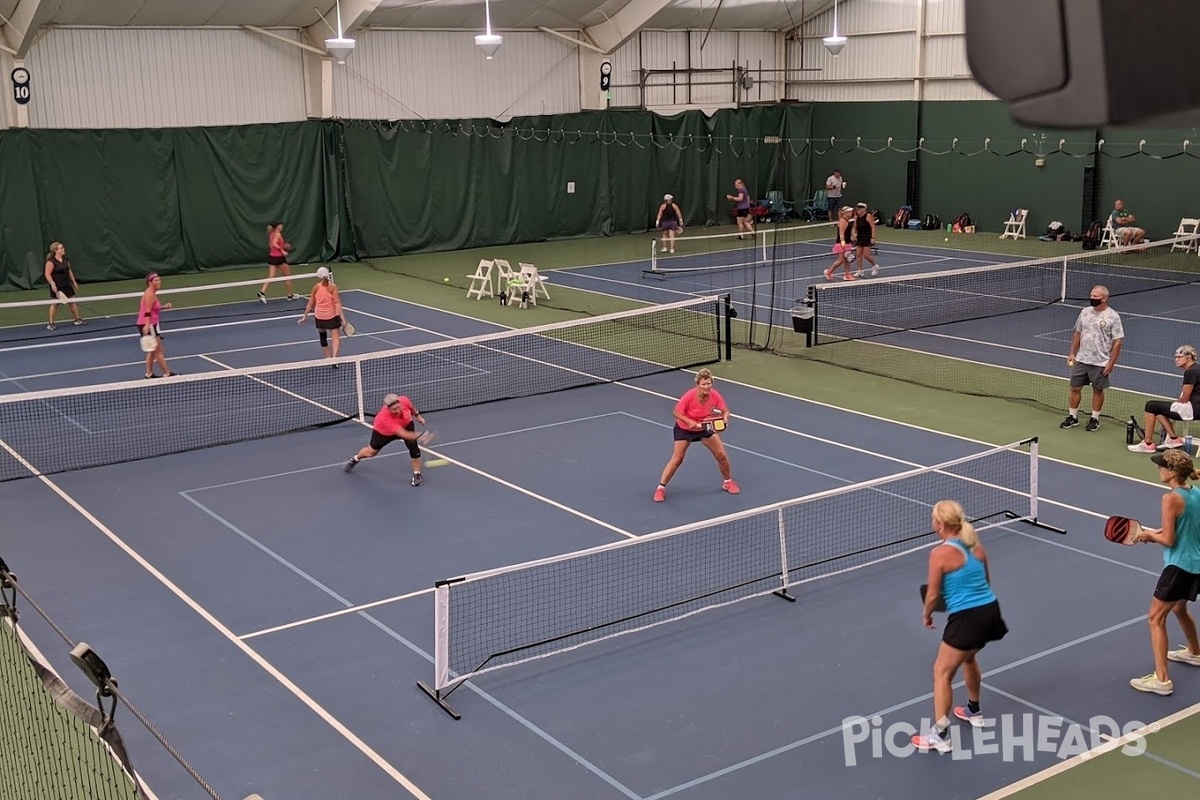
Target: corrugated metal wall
{"points": [[135, 78], [443, 75], [691, 50], [880, 61]]}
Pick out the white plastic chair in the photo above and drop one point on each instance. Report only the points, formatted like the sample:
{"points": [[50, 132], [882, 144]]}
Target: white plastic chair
{"points": [[534, 280], [1109, 239], [481, 281], [1015, 227], [1188, 230]]}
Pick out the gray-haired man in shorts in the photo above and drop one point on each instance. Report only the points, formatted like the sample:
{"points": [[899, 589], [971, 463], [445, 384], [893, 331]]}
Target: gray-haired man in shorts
{"points": [[1095, 345]]}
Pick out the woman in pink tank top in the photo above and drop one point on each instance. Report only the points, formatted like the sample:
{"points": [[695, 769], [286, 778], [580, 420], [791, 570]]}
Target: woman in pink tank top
{"points": [[326, 308], [147, 323], [277, 250]]}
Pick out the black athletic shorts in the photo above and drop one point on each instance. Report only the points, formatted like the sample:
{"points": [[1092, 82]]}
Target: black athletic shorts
{"points": [[1175, 584], [682, 435], [379, 441], [973, 628], [331, 324]]}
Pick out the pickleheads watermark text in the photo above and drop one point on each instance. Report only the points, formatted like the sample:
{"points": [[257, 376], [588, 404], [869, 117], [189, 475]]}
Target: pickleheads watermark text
{"points": [[1009, 737]]}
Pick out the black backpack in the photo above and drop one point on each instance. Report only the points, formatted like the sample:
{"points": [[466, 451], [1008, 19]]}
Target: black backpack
{"points": [[1092, 236], [900, 218], [932, 222]]}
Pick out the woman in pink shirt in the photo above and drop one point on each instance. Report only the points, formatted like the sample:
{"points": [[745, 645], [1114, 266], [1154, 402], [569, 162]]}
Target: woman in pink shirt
{"points": [[395, 420], [147, 322], [277, 250], [326, 307], [694, 414]]}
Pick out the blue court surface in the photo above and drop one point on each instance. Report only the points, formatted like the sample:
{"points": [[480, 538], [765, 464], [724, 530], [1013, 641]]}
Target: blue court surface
{"points": [[272, 613], [1156, 321]]}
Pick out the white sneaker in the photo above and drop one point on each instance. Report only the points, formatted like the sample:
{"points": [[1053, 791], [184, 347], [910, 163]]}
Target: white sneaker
{"points": [[964, 713], [930, 741], [1151, 683], [1142, 447], [1184, 656], [1171, 444], [875, 269]]}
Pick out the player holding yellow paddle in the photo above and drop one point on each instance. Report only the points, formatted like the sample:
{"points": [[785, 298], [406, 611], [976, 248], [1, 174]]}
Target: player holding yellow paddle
{"points": [[700, 415]]}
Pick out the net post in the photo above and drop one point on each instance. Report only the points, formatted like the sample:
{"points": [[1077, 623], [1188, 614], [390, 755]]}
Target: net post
{"points": [[1032, 517], [783, 561], [358, 390], [1062, 294], [729, 315], [441, 650], [811, 336]]}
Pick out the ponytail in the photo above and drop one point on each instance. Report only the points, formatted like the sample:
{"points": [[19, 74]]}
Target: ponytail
{"points": [[53, 248], [968, 535]]}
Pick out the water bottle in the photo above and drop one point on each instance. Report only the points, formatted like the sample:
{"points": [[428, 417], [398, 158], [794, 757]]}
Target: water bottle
{"points": [[949, 227]]}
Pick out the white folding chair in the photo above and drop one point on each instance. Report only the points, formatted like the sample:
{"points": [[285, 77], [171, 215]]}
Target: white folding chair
{"points": [[481, 280], [1109, 239], [1015, 227], [509, 281], [1187, 232], [534, 280]]}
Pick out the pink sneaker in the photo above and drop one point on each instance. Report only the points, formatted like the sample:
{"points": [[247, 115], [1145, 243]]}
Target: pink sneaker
{"points": [[660, 494], [730, 487]]}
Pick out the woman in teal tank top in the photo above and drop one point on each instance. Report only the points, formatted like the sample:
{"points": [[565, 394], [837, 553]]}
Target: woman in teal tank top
{"points": [[1179, 583], [959, 578]]}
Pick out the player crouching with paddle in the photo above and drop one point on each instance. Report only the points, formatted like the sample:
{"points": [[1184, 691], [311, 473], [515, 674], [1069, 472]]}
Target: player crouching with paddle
{"points": [[1179, 583]]}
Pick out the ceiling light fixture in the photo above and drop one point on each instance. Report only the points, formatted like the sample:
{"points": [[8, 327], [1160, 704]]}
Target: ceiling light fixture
{"points": [[341, 47], [489, 42], [834, 43]]}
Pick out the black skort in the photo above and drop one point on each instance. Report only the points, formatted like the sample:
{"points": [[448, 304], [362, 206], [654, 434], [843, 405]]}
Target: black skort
{"points": [[331, 324], [66, 288], [972, 628], [275, 261], [682, 435], [1176, 584]]}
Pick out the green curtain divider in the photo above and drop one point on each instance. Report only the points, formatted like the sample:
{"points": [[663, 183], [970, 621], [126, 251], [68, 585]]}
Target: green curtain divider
{"points": [[1157, 181], [877, 179], [23, 245], [989, 183]]}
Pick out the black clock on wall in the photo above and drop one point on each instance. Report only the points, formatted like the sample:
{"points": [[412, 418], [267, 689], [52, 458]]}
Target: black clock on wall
{"points": [[20, 79]]}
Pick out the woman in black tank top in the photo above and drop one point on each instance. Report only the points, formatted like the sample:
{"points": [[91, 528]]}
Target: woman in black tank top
{"points": [[864, 239], [61, 279]]}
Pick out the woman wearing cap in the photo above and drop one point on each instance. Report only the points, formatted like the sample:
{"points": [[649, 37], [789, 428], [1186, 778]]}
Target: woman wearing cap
{"points": [[1183, 408], [148, 321], [670, 219], [61, 278], [1179, 582], [277, 250], [864, 239], [844, 244], [326, 307], [395, 420]]}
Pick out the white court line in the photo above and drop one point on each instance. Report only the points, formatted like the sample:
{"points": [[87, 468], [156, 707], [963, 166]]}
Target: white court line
{"points": [[225, 632], [808, 401], [1078, 760], [787, 748], [183, 356], [489, 476], [168, 329]]}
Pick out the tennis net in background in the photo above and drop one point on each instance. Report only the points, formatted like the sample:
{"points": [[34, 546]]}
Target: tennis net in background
{"points": [[60, 430], [893, 327], [27, 320], [878, 306], [504, 617], [696, 256]]}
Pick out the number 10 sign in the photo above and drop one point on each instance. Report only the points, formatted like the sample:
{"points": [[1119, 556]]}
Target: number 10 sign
{"points": [[20, 79]]}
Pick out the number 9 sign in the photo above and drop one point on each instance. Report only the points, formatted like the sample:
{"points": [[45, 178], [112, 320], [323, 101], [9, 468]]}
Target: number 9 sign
{"points": [[20, 79]]}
